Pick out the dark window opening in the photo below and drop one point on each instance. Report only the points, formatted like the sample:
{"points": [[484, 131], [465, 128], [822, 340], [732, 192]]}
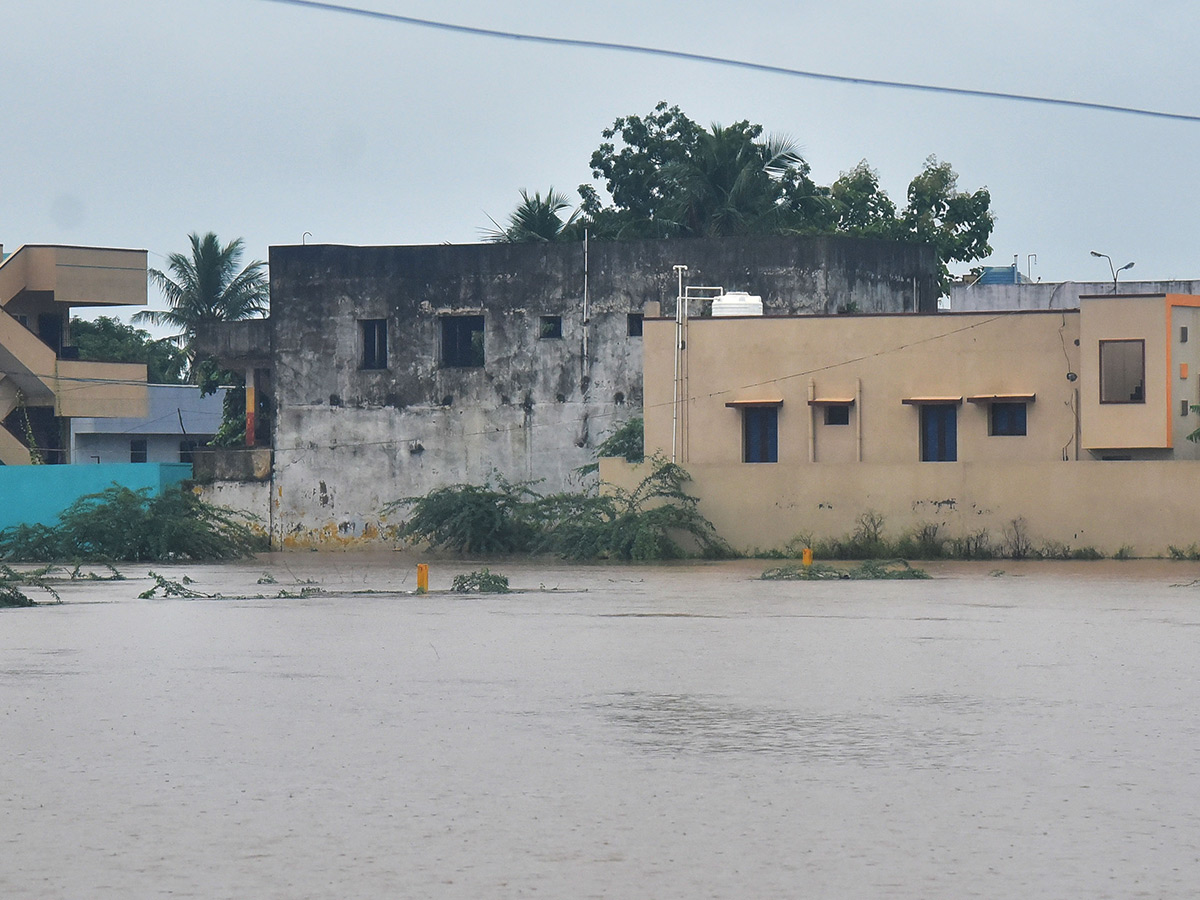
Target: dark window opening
{"points": [[939, 433], [1122, 371], [633, 324], [1007, 419], [50, 330], [760, 434], [1183, 334], [137, 450], [374, 343], [550, 328], [837, 414], [186, 449], [1183, 407], [462, 341]]}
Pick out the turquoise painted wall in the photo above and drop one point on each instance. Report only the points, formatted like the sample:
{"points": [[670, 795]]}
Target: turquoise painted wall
{"points": [[37, 494]]}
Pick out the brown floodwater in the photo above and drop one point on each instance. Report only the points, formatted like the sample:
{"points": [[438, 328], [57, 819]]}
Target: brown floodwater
{"points": [[687, 731]]}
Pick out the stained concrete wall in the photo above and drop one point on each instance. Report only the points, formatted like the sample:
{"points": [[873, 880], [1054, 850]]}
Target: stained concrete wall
{"points": [[250, 499], [1052, 294], [350, 439]]}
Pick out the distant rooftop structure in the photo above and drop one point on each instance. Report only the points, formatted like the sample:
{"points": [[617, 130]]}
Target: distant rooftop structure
{"points": [[981, 296], [1002, 275]]}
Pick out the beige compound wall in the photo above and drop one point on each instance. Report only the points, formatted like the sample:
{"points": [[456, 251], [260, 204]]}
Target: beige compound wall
{"points": [[1145, 505]]}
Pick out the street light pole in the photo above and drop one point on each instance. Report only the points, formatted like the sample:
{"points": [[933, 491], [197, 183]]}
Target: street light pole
{"points": [[1111, 268]]}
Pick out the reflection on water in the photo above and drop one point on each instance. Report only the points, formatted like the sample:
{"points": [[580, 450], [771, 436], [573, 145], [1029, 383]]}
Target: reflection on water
{"points": [[667, 732], [674, 723]]}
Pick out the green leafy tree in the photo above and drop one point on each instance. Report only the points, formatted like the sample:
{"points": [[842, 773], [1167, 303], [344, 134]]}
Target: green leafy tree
{"points": [[861, 205], [666, 176], [207, 286], [110, 340], [630, 161], [957, 223], [536, 219]]}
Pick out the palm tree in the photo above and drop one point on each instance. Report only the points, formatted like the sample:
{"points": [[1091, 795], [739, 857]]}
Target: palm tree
{"points": [[731, 183], [535, 219], [208, 286]]}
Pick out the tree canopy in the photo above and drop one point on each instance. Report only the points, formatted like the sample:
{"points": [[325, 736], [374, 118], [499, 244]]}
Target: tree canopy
{"points": [[666, 176], [110, 340]]}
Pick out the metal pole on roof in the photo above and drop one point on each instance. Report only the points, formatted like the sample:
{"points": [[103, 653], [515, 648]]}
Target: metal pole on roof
{"points": [[1115, 271], [680, 317]]}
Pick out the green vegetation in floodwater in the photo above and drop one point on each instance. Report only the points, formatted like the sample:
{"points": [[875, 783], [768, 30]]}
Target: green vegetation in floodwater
{"points": [[928, 540], [123, 524], [171, 588], [647, 523], [871, 569], [481, 582], [44, 579]]}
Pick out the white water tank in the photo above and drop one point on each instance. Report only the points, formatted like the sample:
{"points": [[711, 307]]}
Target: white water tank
{"points": [[737, 303]]}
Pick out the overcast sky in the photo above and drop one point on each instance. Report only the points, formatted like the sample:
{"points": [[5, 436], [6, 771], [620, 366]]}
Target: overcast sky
{"points": [[133, 123]]}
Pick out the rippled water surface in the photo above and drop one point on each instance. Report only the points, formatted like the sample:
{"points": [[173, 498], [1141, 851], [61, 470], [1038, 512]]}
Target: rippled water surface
{"points": [[672, 732]]}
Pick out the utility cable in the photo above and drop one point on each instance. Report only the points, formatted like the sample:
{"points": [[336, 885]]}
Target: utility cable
{"points": [[733, 63]]}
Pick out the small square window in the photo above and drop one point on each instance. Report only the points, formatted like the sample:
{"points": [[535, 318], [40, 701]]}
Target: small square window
{"points": [[374, 343], [462, 341], [550, 328], [186, 449], [633, 324], [1007, 419], [837, 414], [760, 434], [137, 450]]}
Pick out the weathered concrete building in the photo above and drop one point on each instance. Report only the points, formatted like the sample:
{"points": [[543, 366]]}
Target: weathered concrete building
{"points": [[399, 369]]}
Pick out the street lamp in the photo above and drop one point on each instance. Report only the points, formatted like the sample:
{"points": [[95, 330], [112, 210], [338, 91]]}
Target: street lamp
{"points": [[1113, 270]]}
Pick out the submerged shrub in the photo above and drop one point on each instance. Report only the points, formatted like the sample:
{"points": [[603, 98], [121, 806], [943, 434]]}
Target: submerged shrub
{"points": [[473, 519], [923, 542], [483, 582], [871, 569], [643, 524], [123, 524], [1017, 542]]}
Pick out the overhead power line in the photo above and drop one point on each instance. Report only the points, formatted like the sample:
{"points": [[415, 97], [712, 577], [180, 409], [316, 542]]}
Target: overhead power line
{"points": [[732, 63]]}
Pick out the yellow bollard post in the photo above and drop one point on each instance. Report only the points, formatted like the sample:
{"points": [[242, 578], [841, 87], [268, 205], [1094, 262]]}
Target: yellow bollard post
{"points": [[422, 578], [806, 557]]}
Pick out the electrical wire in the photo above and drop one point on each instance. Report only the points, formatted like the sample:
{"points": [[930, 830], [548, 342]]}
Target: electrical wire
{"points": [[733, 63]]}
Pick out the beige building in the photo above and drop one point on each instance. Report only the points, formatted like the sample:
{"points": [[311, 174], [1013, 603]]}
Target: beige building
{"points": [[1073, 421], [42, 382]]}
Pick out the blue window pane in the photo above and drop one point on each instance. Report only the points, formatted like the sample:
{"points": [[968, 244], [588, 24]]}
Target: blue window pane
{"points": [[1008, 418], [761, 434], [939, 433]]}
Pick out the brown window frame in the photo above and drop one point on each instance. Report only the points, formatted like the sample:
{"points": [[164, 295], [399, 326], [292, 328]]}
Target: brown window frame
{"points": [[1136, 400]]}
